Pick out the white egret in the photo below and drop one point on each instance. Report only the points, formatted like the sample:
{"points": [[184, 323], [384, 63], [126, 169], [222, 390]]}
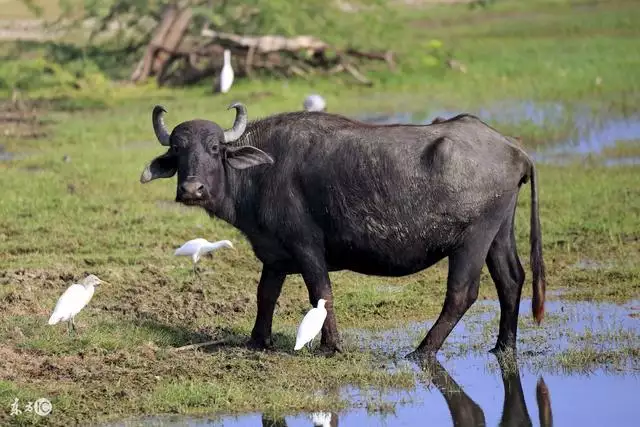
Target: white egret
{"points": [[314, 103], [226, 75], [197, 247], [311, 325], [321, 419], [73, 300]]}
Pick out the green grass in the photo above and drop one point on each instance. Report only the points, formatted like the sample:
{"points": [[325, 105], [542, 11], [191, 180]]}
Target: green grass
{"points": [[623, 149], [542, 51], [17, 9], [590, 358], [60, 220]]}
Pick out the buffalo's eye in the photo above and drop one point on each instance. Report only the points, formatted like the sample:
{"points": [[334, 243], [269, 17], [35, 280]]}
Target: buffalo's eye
{"points": [[213, 148]]}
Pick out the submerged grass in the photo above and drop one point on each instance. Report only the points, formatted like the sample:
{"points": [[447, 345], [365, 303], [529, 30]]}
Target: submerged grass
{"points": [[590, 359], [73, 206]]}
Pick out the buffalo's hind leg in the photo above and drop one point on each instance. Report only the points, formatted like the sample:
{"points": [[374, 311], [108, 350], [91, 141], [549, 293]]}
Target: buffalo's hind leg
{"points": [[463, 281], [508, 275]]}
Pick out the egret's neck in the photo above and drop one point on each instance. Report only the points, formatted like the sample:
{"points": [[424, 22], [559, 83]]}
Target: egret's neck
{"points": [[217, 245], [90, 289], [227, 57]]}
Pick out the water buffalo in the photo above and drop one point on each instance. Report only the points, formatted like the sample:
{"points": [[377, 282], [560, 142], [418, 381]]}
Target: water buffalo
{"points": [[317, 192]]}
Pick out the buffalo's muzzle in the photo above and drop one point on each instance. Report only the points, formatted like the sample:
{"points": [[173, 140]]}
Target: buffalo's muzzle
{"points": [[190, 191]]}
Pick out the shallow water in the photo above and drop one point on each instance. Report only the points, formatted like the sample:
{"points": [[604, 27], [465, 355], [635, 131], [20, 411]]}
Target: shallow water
{"points": [[469, 388], [592, 138], [8, 156], [567, 326], [5, 155], [592, 131]]}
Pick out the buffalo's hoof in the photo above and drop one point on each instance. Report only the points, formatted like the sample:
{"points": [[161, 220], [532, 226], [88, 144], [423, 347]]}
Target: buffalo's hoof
{"points": [[422, 356], [504, 355], [505, 349], [329, 349], [259, 344]]}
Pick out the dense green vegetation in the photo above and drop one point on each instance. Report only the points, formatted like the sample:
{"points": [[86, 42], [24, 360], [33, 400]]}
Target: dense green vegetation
{"points": [[62, 219]]}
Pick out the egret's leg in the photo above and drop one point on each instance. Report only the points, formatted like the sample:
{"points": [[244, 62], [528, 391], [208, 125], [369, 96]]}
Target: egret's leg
{"points": [[73, 326], [69, 327]]}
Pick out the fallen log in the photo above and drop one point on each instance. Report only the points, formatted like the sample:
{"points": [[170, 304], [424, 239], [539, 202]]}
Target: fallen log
{"points": [[177, 59], [266, 44]]}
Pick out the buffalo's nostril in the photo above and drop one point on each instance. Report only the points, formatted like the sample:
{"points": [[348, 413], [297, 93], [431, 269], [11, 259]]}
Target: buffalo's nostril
{"points": [[192, 189]]}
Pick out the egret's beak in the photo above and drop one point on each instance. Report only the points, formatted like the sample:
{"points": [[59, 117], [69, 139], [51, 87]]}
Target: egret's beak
{"points": [[104, 282]]}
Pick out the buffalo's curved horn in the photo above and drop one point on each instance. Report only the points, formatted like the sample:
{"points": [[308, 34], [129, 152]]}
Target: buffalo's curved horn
{"points": [[158, 125], [239, 125]]}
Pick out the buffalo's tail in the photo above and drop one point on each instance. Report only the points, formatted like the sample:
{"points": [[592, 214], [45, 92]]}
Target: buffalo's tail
{"points": [[537, 263]]}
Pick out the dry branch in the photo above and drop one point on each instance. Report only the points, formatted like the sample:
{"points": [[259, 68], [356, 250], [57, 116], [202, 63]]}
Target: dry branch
{"points": [[266, 44], [177, 59], [199, 345]]}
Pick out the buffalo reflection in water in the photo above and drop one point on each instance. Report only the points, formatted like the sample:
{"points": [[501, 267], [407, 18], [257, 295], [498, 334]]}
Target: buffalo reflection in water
{"points": [[464, 411]]}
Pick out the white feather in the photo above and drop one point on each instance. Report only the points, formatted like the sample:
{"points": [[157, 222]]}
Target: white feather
{"points": [[197, 247], [226, 75], [314, 102], [321, 419], [71, 302], [311, 325]]}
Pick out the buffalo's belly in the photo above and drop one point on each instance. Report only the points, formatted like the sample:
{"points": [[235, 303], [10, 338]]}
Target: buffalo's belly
{"points": [[391, 259], [365, 265]]}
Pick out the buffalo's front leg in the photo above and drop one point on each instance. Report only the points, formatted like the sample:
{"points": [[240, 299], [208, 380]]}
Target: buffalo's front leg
{"points": [[269, 289], [330, 341], [316, 278]]}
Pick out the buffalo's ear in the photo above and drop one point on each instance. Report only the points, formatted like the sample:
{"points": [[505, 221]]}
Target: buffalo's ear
{"points": [[246, 156], [164, 166]]}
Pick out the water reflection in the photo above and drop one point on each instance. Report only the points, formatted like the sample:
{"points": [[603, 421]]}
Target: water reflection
{"points": [[318, 419], [544, 403], [465, 412]]}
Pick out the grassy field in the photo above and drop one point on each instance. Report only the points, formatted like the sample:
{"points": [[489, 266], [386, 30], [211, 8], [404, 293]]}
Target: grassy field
{"points": [[60, 220]]}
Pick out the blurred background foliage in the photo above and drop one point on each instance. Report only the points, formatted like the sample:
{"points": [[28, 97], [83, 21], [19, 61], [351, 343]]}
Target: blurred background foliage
{"points": [[102, 40]]}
